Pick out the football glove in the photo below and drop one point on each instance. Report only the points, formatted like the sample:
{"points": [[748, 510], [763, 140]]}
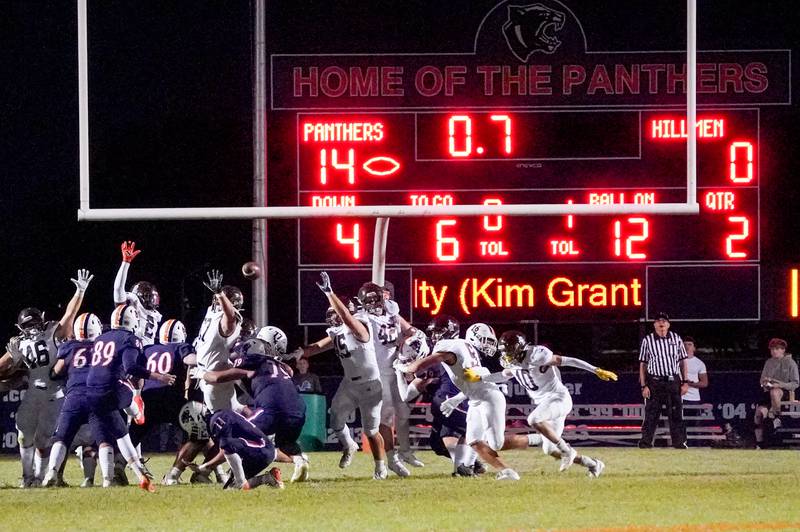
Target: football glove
{"points": [[605, 374], [83, 280], [449, 406], [214, 281], [129, 251], [471, 375], [325, 284], [294, 355]]}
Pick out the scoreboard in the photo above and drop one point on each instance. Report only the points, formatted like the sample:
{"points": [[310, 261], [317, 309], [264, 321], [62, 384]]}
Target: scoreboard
{"points": [[497, 126]]}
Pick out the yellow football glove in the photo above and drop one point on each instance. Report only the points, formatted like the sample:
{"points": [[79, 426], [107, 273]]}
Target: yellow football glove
{"points": [[471, 375], [605, 374]]}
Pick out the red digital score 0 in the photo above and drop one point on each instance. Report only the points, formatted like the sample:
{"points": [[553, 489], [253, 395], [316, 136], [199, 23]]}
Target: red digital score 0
{"points": [[628, 235]]}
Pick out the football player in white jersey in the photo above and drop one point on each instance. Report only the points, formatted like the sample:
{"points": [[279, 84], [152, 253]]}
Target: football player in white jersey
{"points": [[387, 329], [535, 368], [361, 386], [486, 417], [218, 334], [145, 299], [36, 348]]}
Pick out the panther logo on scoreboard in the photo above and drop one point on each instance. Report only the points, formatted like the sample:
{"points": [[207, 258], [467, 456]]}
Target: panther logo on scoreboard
{"points": [[532, 28]]}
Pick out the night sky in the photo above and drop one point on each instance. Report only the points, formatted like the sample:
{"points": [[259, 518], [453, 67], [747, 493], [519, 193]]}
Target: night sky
{"points": [[171, 125]]}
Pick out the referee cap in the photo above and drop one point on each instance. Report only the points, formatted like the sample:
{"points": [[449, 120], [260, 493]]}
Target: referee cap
{"points": [[661, 316]]}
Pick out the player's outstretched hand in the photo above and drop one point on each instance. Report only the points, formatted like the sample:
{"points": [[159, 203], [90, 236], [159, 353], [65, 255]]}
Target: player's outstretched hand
{"points": [[83, 280], [325, 283], [605, 374], [471, 375], [449, 406], [191, 466], [129, 251], [214, 281], [401, 367], [167, 379], [294, 355]]}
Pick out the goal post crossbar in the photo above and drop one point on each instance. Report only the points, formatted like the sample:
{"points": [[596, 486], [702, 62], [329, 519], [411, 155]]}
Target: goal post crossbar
{"points": [[86, 213]]}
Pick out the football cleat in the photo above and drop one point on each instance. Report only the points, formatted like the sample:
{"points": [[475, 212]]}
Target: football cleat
{"points": [[49, 481], [463, 470], [169, 481], [347, 456], [381, 473], [567, 459], [300, 473], [199, 477], [139, 402], [271, 479], [87, 483], [597, 470], [147, 484], [478, 468], [397, 467], [409, 458], [507, 474]]}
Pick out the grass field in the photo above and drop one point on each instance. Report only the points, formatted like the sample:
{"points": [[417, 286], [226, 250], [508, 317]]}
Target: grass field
{"points": [[658, 489]]}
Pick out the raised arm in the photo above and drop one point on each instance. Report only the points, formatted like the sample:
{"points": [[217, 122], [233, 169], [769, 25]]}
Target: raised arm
{"points": [[226, 375], [129, 253], [424, 363], [230, 316], [358, 329], [64, 329]]}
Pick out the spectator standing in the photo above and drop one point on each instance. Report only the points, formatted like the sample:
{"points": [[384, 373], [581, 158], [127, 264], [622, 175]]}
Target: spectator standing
{"points": [[663, 379], [306, 381], [778, 378], [696, 373]]}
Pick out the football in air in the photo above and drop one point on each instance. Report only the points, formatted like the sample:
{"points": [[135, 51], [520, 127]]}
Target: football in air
{"points": [[251, 270]]}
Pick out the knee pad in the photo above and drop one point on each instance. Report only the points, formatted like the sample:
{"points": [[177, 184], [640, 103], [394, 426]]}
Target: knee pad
{"points": [[371, 432], [21, 439]]}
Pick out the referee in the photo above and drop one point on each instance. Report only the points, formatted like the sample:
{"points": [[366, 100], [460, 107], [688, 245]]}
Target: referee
{"points": [[662, 376]]}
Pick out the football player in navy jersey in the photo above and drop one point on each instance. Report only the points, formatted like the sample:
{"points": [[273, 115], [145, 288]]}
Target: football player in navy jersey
{"points": [[277, 406], [35, 349], [165, 357], [74, 362], [247, 449], [117, 356]]}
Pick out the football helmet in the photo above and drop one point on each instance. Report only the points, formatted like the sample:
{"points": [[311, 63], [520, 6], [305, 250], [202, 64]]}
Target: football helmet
{"points": [[256, 347], [443, 328], [371, 296], [332, 318], [172, 332], [192, 419], [388, 290], [511, 347], [30, 321], [233, 294], [248, 329], [274, 337], [483, 338], [125, 317], [87, 326], [414, 347], [147, 294]]}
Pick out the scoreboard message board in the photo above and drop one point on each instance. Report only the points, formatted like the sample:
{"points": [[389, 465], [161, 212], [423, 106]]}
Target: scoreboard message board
{"points": [[532, 114]]}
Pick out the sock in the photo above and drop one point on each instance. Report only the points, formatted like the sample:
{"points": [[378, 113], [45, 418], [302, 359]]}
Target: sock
{"points": [[128, 451], [452, 450], [38, 464], [174, 473], [563, 446], [89, 464], [106, 460], [298, 460], [236, 467], [534, 440], [26, 457], [391, 456], [472, 456], [587, 462], [221, 474], [380, 465], [345, 439], [401, 431], [463, 455], [57, 455]]}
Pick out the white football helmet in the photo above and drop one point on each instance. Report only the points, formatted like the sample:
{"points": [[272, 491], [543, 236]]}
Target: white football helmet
{"points": [[192, 419], [483, 338], [414, 347], [125, 317], [274, 337], [87, 326], [172, 332]]}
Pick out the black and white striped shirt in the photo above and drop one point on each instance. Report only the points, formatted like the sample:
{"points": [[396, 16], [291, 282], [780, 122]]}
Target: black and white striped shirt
{"points": [[662, 355]]}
